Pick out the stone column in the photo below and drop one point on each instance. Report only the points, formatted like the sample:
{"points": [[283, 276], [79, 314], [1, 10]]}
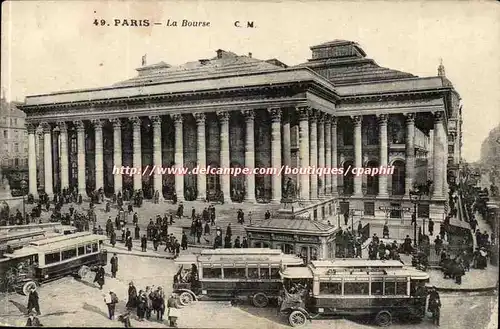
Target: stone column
{"points": [[328, 154], [334, 155], [439, 156], [249, 155], [304, 152], [382, 179], [201, 155], [358, 155], [80, 136], [33, 189], [137, 152], [410, 152], [287, 146], [313, 154], [117, 154], [321, 154], [64, 163], [276, 154], [179, 156], [99, 157], [47, 158], [157, 156], [224, 154]]}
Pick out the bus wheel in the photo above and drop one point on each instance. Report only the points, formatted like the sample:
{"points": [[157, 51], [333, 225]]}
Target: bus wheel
{"points": [[185, 298], [83, 271], [297, 319], [260, 300], [383, 319], [28, 286]]}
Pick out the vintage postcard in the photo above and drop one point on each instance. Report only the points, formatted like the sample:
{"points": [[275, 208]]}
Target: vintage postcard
{"points": [[252, 164]]}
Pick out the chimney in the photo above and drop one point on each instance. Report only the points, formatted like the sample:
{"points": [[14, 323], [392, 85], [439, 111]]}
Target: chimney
{"points": [[219, 53], [250, 55]]}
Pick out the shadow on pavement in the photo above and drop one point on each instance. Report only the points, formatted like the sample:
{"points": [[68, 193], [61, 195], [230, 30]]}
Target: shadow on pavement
{"points": [[94, 309], [88, 284], [23, 309]]}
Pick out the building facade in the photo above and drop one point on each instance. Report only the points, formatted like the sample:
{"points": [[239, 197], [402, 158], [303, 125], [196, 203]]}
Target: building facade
{"points": [[337, 110], [14, 146]]}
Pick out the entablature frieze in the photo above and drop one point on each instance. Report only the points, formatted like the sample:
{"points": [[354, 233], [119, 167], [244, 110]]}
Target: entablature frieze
{"points": [[172, 109]]}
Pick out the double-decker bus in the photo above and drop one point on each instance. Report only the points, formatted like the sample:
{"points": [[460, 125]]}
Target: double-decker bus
{"points": [[232, 274], [49, 259], [382, 289]]}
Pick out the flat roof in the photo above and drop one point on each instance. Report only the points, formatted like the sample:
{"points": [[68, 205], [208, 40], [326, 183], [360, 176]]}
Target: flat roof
{"points": [[241, 251], [353, 263], [60, 238]]}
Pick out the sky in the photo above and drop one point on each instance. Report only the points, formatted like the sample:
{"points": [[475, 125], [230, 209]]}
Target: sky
{"points": [[54, 46]]}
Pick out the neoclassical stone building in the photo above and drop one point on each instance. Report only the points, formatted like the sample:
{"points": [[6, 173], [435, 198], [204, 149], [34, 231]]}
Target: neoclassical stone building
{"points": [[338, 109]]}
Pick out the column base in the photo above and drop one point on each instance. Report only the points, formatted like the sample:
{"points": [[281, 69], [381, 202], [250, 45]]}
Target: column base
{"points": [[383, 196], [254, 201], [275, 201], [357, 196]]}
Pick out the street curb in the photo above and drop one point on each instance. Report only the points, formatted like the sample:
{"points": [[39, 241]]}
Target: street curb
{"points": [[467, 289], [142, 255]]}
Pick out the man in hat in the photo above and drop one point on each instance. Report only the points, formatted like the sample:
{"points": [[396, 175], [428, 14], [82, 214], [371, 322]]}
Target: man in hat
{"points": [[434, 305], [173, 312], [33, 321], [114, 265], [33, 301], [111, 300]]}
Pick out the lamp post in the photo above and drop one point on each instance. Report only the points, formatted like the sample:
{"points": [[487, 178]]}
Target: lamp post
{"points": [[415, 197]]}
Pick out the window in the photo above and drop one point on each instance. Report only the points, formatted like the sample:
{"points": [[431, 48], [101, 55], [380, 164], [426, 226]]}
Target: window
{"points": [[356, 288], [390, 288], [68, 254], [5, 134], [330, 288], [212, 273], [348, 134], [264, 273], [234, 273], [81, 250], [372, 135], [401, 287], [95, 247], [395, 210], [369, 208], [377, 288], [423, 210], [88, 249], [275, 273], [253, 273], [52, 258]]}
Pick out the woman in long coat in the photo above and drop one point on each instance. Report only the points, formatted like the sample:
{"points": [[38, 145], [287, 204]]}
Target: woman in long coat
{"points": [[132, 296], [141, 305]]}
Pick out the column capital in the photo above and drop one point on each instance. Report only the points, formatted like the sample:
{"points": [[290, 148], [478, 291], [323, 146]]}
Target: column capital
{"points": [[303, 112], [97, 123], [248, 114], [46, 127], [223, 116], [321, 117], [410, 117], [313, 115], [31, 127], [200, 118], [382, 118], [334, 120], [80, 126], [117, 123], [438, 116], [62, 126], [177, 118], [275, 114], [328, 118], [357, 119], [155, 120], [136, 121]]}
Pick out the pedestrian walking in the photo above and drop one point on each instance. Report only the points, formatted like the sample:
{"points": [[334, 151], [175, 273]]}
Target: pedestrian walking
{"points": [[33, 301], [99, 277], [132, 296], [173, 312], [111, 300], [144, 243], [114, 265], [434, 305]]}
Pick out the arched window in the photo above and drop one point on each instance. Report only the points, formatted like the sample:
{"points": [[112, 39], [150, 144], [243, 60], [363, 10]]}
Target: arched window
{"points": [[372, 181], [398, 178], [348, 185]]}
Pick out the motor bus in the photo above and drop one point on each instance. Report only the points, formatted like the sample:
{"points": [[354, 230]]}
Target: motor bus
{"points": [[232, 274], [49, 259], [347, 287]]}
